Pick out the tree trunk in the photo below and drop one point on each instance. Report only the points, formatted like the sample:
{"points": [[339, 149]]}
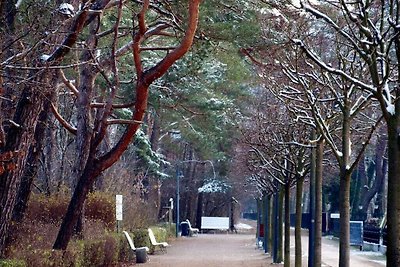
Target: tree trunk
{"points": [[275, 228], [269, 225], [31, 167], [287, 224], [155, 182], [297, 229], [280, 225], [318, 203], [311, 229], [75, 206], [199, 210], [18, 141], [344, 206], [393, 218]]}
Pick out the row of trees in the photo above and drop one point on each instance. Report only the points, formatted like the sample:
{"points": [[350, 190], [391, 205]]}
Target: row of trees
{"points": [[332, 76]]}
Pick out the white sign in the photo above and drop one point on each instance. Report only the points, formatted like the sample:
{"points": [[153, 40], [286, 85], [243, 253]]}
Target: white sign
{"points": [[221, 223], [335, 215], [118, 207]]}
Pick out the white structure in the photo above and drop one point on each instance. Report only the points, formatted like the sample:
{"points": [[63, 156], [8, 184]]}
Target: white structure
{"points": [[215, 223]]}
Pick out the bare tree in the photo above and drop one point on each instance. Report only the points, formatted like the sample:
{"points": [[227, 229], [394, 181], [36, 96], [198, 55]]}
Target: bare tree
{"points": [[369, 29]]}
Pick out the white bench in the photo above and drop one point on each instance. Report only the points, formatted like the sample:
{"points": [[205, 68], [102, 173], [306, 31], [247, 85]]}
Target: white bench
{"points": [[141, 253], [214, 223], [161, 245], [131, 244], [192, 231]]}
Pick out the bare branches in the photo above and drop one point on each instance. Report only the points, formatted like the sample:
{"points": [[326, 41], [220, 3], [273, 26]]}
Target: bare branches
{"points": [[62, 121]]}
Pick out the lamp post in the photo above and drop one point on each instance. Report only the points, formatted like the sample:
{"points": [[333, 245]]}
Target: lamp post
{"points": [[178, 175]]}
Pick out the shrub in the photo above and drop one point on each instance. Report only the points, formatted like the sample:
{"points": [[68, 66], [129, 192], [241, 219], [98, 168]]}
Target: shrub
{"points": [[29, 235], [49, 258], [111, 250], [93, 253], [12, 263], [101, 206], [141, 238], [105, 252], [170, 229], [125, 252], [160, 233], [47, 209]]}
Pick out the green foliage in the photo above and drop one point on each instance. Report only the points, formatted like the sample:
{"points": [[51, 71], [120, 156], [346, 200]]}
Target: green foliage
{"points": [[125, 252], [106, 251], [49, 258], [151, 160], [12, 263], [234, 21], [94, 253], [170, 229], [160, 235], [140, 238]]}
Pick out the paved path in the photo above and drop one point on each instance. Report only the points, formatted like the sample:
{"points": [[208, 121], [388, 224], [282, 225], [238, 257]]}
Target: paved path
{"points": [[212, 250], [239, 250], [330, 254]]}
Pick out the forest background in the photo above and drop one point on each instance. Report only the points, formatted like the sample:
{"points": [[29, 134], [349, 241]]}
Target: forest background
{"points": [[240, 99]]}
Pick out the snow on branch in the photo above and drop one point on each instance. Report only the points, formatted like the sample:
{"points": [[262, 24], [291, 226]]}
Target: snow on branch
{"points": [[317, 60]]}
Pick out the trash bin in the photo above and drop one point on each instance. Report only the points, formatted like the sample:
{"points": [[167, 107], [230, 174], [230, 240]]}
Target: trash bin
{"points": [[184, 229], [141, 255]]}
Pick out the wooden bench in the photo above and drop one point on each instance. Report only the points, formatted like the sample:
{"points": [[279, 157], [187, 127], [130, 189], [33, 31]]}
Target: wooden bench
{"points": [[161, 245]]}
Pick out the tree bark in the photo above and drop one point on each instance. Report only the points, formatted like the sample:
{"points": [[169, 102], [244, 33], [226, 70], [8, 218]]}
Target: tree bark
{"points": [[15, 153], [76, 204], [287, 224], [393, 218], [344, 198], [269, 226], [344, 194], [311, 229], [280, 225], [318, 202], [30, 170], [297, 229]]}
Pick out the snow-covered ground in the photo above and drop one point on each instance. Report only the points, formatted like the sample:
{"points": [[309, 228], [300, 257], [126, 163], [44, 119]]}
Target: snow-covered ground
{"points": [[243, 226]]}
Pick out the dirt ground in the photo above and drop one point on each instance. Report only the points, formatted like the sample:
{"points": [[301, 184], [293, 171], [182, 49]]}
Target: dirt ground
{"points": [[239, 250]]}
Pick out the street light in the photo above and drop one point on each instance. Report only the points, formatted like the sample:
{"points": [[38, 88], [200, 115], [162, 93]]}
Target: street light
{"points": [[178, 175]]}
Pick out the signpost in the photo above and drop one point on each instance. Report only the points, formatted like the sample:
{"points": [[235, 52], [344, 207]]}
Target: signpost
{"points": [[171, 208], [118, 210]]}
